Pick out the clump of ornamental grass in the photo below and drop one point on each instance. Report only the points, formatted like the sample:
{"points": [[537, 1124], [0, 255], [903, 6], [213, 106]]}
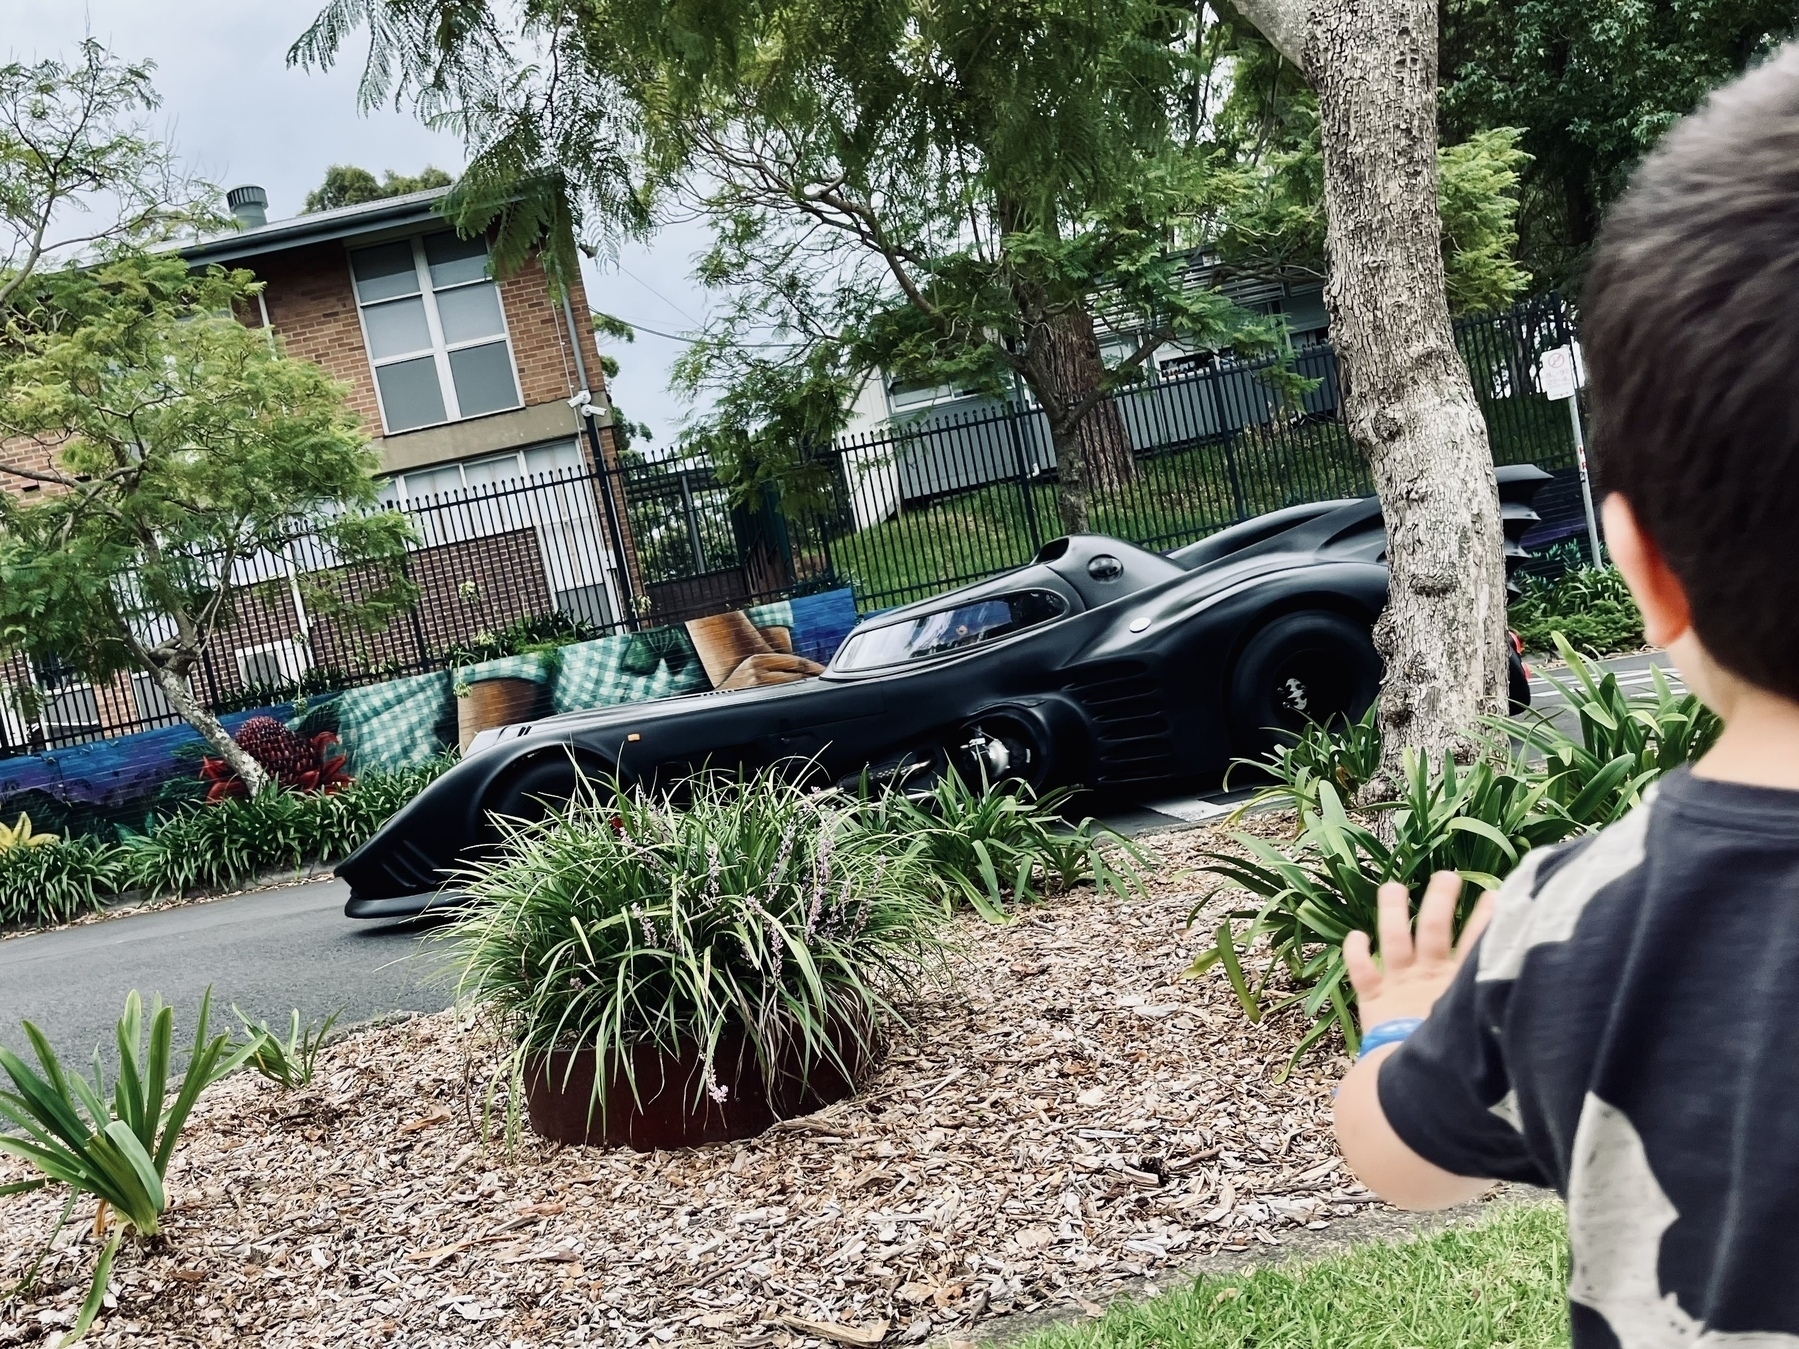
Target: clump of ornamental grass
{"points": [[748, 907], [56, 881]]}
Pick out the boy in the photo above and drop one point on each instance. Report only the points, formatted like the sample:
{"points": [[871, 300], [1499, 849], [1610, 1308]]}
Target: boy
{"points": [[1627, 1028]]}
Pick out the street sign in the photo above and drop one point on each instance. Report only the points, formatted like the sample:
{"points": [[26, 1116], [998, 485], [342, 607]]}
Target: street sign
{"points": [[1558, 374]]}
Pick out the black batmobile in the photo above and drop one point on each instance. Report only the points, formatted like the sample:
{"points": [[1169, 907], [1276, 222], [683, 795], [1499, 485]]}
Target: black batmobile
{"points": [[1099, 664]]}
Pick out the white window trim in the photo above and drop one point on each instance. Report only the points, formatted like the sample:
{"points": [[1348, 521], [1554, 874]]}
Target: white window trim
{"points": [[440, 353]]}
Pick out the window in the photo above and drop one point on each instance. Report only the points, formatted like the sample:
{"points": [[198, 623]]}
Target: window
{"points": [[435, 333], [514, 466], [948, 630]]}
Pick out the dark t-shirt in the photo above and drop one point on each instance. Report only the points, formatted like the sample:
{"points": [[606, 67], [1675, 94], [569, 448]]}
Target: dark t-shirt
{"points": [[1627, 1031]]}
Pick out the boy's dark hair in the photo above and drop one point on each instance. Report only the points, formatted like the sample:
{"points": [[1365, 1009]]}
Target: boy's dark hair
{"points": [[1690, 317]]}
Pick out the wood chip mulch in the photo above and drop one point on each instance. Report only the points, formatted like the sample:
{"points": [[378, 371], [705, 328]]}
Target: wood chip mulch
{"points": [[1073, 1118]]}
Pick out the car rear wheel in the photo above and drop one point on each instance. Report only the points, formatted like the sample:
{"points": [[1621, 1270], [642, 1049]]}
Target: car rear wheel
{"points": [[1303, 668]]}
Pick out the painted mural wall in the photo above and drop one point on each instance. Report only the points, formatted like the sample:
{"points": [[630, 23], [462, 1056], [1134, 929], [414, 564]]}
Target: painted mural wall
{"points": [[104, 785]]}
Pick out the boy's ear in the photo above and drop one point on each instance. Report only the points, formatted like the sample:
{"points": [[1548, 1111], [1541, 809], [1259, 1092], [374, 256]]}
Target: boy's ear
{"points": [[1653, 584]]}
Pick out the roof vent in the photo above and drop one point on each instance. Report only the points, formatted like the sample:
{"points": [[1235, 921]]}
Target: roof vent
{"points": [[250, 205]]}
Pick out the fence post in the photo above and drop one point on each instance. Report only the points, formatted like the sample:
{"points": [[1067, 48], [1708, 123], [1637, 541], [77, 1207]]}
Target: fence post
{"points": [[621, 565], [1215, 377], [1013, 412], [693, 525]]}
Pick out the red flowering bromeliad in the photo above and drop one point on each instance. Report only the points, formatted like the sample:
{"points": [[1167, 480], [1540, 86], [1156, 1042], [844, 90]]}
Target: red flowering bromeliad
{"points": [[296, 762]]}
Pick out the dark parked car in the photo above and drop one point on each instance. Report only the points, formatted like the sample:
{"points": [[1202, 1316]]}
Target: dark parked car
{"points": [[1099, 664]]}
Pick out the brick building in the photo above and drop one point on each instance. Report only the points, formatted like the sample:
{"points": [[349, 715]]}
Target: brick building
{"points": [[464, 383]]}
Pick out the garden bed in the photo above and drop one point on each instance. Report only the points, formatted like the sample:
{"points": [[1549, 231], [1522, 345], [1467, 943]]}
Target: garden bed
{"points": [[1074, 1120]]}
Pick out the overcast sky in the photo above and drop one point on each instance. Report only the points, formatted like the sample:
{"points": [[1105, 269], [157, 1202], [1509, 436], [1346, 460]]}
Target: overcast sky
{"points": [[237, 114]]}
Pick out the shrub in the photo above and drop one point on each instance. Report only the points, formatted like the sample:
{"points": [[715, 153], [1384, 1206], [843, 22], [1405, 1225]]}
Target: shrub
{"points": [[751, 906], [1475, 821], [1590, 606], [116, 1151], [989, 845], [54, 882], [1342, 753], [236, 839], [1626, 741]]}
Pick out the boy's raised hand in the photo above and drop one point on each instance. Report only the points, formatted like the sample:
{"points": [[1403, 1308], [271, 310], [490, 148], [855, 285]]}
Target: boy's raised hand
{"points": [[1413, 971]]}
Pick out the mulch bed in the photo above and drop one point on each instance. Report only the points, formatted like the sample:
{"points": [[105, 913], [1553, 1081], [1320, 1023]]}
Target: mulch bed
{"points": [[1072, 1118]]}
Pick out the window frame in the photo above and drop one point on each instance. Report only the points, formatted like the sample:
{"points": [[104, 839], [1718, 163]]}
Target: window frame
{"points": [[440, 349]]}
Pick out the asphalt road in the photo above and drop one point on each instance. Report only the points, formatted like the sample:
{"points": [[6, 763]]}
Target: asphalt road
{"points": [[267, 952], [275, 950]]}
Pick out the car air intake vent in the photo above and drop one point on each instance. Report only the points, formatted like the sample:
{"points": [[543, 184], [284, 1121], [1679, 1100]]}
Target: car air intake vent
{"points": [[1135, 737], [410, 868]]}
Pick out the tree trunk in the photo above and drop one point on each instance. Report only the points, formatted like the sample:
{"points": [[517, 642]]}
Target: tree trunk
{"points": [[1408, 401], [174, 687], [1072, 360], [1063, 367], [1407, 397]]}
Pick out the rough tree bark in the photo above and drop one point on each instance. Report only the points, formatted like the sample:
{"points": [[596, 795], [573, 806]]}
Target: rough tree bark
{"points": [[1407, 398], [1063, 366]]}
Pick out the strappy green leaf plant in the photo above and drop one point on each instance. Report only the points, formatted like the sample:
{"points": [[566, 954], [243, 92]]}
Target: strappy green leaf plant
{"points": [[111, 1145], [748, 905], [988, 846], [1343, 753], [288, 1063], [1626, 741], [1476, 821]]}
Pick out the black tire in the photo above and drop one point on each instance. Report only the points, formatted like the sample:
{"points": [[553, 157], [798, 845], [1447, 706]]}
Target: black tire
{"points": [[535, 788], [1517, 683], [1302, 668]]}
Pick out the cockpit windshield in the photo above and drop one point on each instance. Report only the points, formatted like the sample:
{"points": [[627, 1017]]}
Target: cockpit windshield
{"points": [[949, 630]]}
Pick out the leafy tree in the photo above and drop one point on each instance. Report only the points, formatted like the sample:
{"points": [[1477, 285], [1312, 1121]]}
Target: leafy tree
{"points": [[1272, 195], [186, 446], [934, 190], [347, 185], [80, 170], [1595, 86], [625, 432]]}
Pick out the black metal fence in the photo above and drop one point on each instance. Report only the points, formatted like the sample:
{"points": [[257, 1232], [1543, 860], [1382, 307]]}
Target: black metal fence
{"points": [[959, 492], [498, 568], [952, 495]]}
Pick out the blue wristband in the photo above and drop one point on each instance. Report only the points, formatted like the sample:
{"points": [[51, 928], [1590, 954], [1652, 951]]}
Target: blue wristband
{"points": [[1388, 1033]]}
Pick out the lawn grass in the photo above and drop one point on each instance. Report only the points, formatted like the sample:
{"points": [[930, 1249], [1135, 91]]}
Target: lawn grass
{"points": [[1177, 497], [1502, 1283]]}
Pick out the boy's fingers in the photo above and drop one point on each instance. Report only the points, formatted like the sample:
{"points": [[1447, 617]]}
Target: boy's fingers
{"points": [[1477, 921], [1364, 974], [1436, 916], [1394, 919]]}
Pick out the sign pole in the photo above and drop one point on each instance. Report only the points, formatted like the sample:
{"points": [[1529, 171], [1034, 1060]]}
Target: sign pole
{"points": [[1586, 483], [1558, 376]]}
